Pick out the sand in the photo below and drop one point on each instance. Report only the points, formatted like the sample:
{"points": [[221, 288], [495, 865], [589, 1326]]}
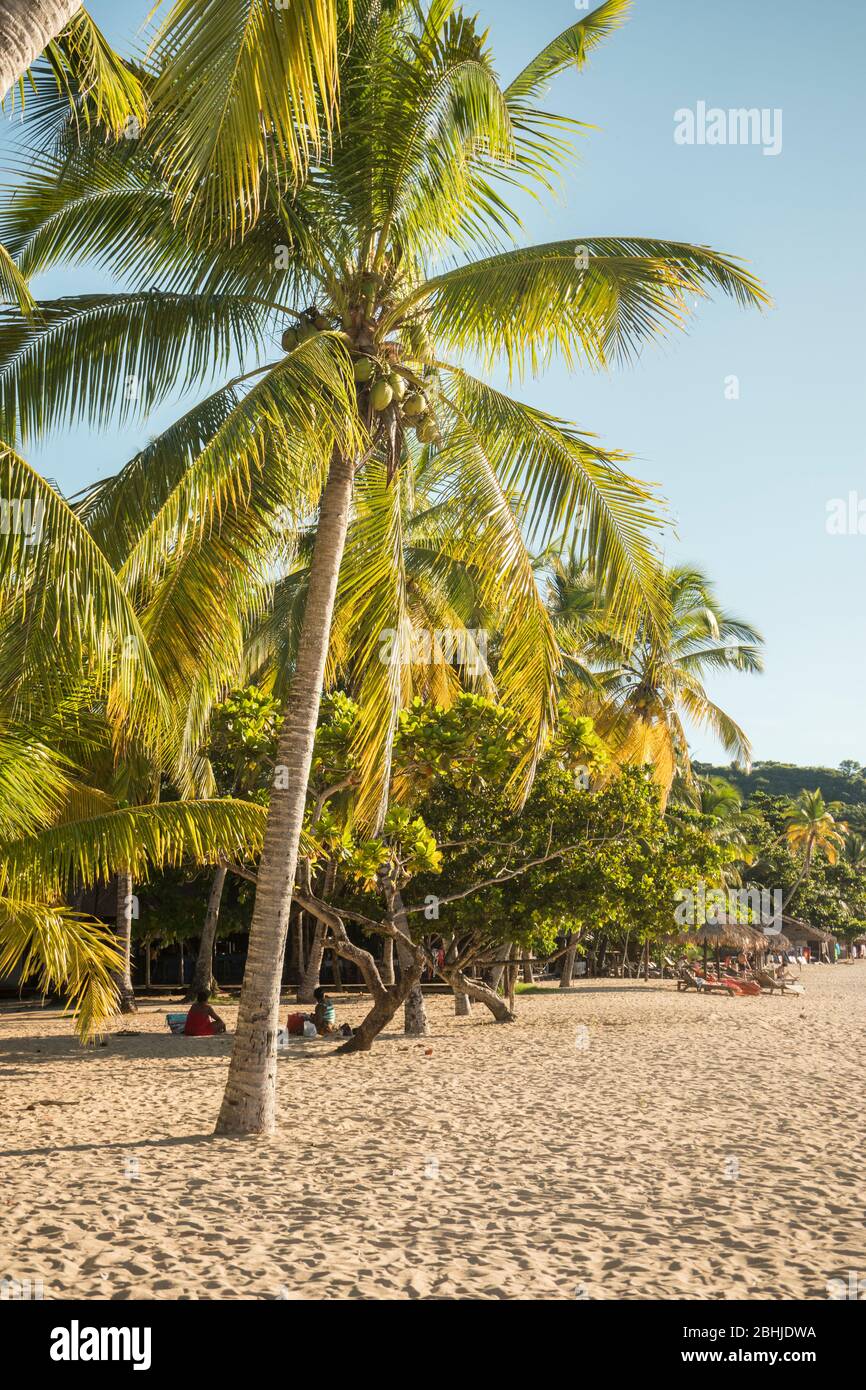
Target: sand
{"points": [[619, 1141]]}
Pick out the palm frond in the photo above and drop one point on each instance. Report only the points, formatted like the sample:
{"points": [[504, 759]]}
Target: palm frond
{"points": [[595, 300], [243, 86], [570, 48], [64, 952], [104, 358], [13, 285], [136, 839]]}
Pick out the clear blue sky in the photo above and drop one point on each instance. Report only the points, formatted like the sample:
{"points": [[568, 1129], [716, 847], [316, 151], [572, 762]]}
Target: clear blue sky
{"points": [[748, 480]]}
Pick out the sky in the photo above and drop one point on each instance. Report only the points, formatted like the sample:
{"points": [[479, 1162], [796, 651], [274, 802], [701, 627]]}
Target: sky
{"points": [[749, 479]]}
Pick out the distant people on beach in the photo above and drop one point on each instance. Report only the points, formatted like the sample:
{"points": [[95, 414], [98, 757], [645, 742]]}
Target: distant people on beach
{"points": [[202, 1021]]}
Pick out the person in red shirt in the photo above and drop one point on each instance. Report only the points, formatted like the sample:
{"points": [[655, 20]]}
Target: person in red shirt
{"points": [[202, 1021]]}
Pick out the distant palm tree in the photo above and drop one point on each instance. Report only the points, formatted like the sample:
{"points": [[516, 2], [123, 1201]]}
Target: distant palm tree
{"points": [[648, 688], [855, 851], [811, 829]]}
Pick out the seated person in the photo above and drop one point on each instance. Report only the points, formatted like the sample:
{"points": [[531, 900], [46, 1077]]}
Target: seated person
{"points": [[324, 1015], [202, 1021]]}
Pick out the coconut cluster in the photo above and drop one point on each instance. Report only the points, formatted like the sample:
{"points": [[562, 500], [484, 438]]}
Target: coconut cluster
{"points": [[390, 386], [381, 380]]}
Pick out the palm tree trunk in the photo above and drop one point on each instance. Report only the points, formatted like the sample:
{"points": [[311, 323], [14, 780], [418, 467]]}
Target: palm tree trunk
{"points": [[203, 977], [123, 931], [250, 1097], [26, 27]]}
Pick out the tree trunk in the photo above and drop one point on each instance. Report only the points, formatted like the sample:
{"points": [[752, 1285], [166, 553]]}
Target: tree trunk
{"points": [[26, 28], [123, 932], [527, 971], [496, 971], [462, 984], [250, 1097], [414, 1013], [567, 971], [312, 975], [462, 1004], [300, 964], [511, 977], [202, 976], [387, 970], [380, 1015], [310, 981]]}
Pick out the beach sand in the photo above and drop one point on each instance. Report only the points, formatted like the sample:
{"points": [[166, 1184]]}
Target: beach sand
{"points": [[620, 1140]]}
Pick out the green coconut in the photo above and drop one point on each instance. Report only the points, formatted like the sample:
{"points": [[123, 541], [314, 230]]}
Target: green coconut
{"points": [[398, 385], [364, 368], [413, 405], [290, 340], [381, 395]]}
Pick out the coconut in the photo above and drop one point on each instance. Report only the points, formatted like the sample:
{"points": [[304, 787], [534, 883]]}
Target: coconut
{"points": [[290, 340], [414, 404], [398, 385], [306, 331], [427, 432], [381, 395], [364, 368]]}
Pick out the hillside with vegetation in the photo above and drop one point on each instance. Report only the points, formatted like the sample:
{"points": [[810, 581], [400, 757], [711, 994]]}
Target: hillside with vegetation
{"points": [[845, 783]]}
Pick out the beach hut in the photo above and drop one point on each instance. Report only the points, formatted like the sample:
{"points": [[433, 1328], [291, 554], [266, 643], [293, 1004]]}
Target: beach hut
{"points": [[802, 934]]}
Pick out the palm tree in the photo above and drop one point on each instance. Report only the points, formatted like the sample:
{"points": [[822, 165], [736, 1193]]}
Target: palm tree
{"points": [[855, 851], [812, 829], [354, 260], [648, 687]]}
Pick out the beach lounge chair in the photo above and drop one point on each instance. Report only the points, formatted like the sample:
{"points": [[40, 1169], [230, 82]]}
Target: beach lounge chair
{"points": [[743, 983], [782, 983], [693, 979]]}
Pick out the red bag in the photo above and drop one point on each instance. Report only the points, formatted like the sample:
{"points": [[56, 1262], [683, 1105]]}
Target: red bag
{"points": [[295, 1023]]}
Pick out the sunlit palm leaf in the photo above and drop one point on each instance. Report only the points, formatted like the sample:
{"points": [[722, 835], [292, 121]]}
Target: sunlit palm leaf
{"points": [[61, 951]]}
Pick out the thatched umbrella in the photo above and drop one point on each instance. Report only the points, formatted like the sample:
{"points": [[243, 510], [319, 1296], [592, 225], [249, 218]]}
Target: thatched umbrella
{"points": [[779, 942], [715, 935]]}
